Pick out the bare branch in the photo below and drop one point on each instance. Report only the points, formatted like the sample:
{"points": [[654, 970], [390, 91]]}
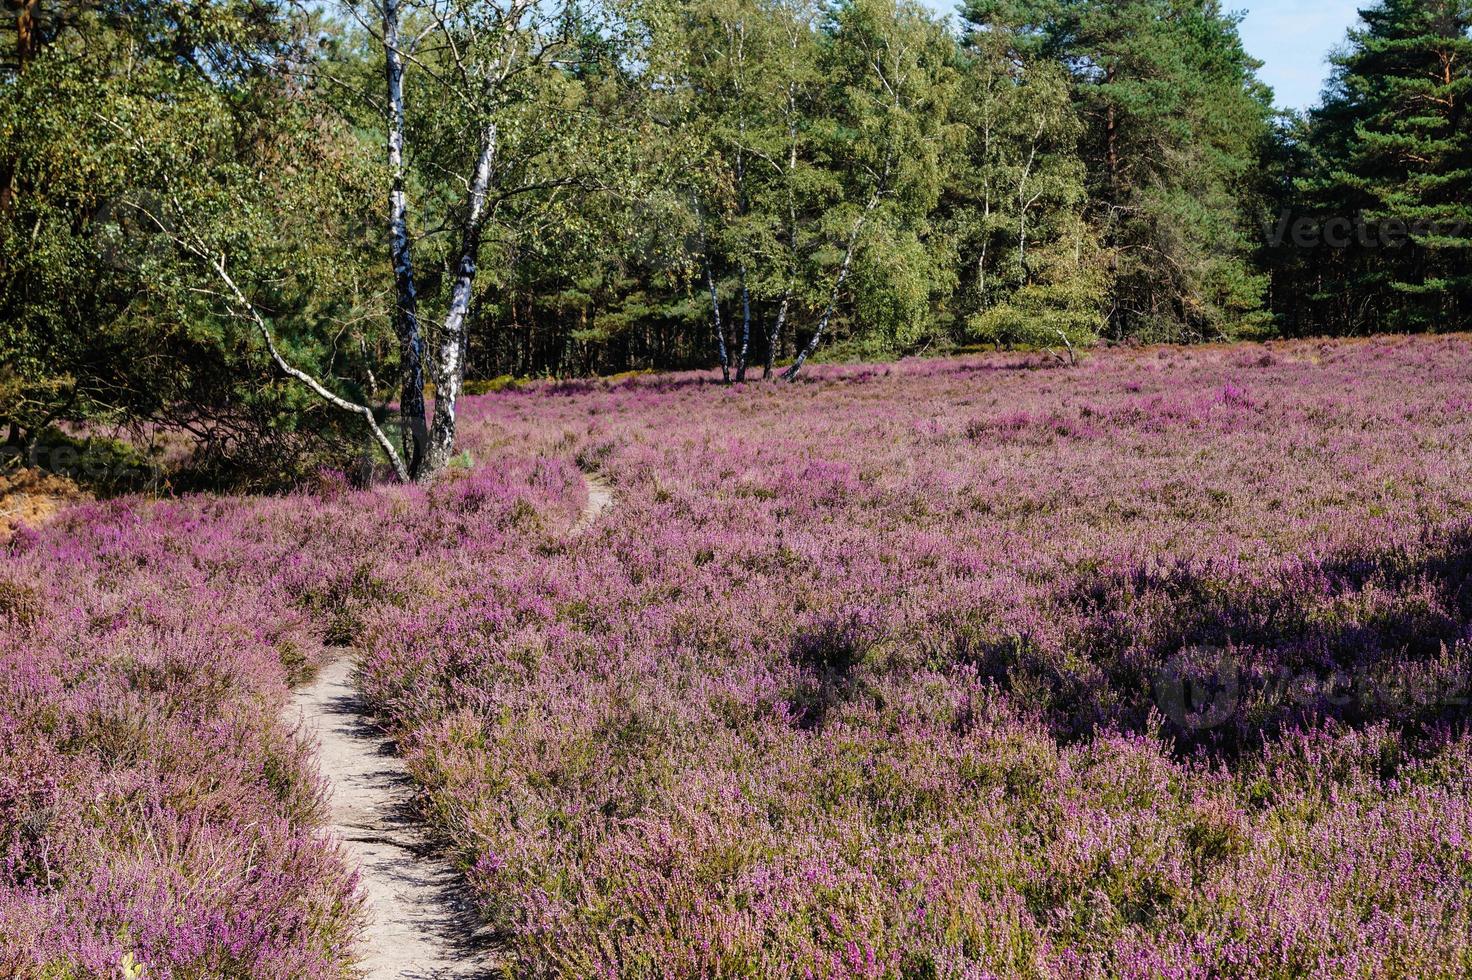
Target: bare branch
{"points": [[217, 262]]}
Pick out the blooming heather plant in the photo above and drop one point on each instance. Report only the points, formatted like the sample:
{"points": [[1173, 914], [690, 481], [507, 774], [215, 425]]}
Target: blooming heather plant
{"points": [[872, 678], [951, 669], [152, 805], [157, 814]]}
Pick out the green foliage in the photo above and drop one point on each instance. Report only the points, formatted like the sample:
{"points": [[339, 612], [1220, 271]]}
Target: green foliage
{"points": [[1055, 172], [1390, 153], [118, 138], [1174, 121], [1063, 302], [98, 462], [894, 77], [1035, 270]]}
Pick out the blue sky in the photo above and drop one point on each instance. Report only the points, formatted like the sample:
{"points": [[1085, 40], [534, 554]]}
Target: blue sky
{"points": [[1293, 38]]}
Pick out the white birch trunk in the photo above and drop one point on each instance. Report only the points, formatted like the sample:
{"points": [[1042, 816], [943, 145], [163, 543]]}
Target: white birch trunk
{"points": [[414, 438], [848, 258], [715, 298], [745, 350], [1023, 206], [450, 376], [715, 310], [775, 337]]}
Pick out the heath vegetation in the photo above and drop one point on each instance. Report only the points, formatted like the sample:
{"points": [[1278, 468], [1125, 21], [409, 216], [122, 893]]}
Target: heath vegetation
{"points": [[1126, 634]]}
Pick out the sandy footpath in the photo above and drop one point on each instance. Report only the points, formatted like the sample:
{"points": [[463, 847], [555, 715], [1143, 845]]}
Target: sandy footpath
{"points": [[421, 922]]}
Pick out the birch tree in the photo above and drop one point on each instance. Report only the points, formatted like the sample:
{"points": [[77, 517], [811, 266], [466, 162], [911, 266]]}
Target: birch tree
{"points": [[744, 77], [103, 317], [477, 101], [893, 74], [1035, 272]]}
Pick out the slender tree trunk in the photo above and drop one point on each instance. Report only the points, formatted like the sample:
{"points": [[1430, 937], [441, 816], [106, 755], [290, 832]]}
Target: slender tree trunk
{"points": [[986, 202], [848, 258], [715, 312], [27, 40], [450, 376], [715, 299], [531, 338], [741, 210], [986, 237], [414, 437], [775, 337], [1118, 317], [802, 356], [745, 328], [1023, 205], [27, 44], [1111, 139]]}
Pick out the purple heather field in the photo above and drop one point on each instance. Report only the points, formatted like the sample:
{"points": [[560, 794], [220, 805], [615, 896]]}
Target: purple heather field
{"points": [[940, 670]]}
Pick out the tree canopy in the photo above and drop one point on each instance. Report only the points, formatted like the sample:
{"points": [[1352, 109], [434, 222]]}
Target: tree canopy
{"points": [[202, 204]]}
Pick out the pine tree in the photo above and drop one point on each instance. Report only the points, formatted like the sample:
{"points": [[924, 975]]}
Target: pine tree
{"points": [[1393, 156], [1174, 122]]}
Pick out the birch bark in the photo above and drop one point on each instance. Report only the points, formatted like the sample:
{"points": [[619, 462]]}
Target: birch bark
{"points": [[848, 258], [745, 349], [715, 297], [414, 436], [450, 376], [775, 337], [715, 309]]}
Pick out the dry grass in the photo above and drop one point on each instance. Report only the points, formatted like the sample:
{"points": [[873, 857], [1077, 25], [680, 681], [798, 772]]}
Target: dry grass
{"points": [[32, 497]]}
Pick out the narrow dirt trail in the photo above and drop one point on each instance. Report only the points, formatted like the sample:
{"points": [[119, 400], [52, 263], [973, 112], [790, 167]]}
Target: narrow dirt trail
{"points": [[422, 923], [600, 498]]}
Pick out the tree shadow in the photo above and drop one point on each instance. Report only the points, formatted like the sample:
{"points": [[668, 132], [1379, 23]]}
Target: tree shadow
{"points": [[1227, 659]]}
